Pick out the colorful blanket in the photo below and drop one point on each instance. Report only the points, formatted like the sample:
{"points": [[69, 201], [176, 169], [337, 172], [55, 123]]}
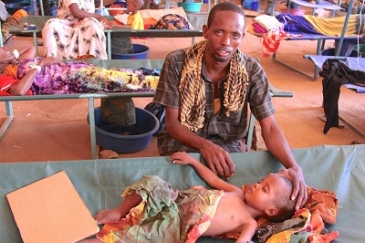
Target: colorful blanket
{"points": [[80, 77], [308, 223], [324, 26], [165, 215]]}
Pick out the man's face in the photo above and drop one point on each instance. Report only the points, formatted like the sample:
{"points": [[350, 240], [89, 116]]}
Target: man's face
{"points": [[262, 194], [224, 35]]}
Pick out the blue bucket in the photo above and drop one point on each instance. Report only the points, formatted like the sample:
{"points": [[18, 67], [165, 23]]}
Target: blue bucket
{"points": [[126, 139], [191, 7], [140, 52]]}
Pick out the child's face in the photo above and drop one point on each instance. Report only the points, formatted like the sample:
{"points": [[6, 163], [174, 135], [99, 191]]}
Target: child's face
{"points": [[6, 56], [262, 194], [134, 5]]}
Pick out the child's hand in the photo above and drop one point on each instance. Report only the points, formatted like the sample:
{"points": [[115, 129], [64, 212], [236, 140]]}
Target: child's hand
{"points": [[181, 158]]}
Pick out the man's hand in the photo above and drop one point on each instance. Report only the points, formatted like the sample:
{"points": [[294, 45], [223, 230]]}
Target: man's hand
{"points": [[218, 159], [299, 193]]}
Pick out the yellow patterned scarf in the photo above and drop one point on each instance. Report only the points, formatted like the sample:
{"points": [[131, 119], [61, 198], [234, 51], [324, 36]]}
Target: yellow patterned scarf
{"points": [[192, 88]]}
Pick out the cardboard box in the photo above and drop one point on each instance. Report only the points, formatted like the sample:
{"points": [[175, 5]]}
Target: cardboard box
{"points": [[51, 210]]}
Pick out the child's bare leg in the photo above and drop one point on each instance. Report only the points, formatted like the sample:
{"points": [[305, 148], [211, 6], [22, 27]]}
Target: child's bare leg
{"points": [[109, 215]]}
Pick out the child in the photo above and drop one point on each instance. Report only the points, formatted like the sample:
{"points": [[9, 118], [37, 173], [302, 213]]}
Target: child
{"points": [[154, 212]]}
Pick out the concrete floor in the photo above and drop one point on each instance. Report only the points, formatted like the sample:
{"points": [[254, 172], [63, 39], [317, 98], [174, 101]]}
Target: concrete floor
{"points": [[57, 130]]}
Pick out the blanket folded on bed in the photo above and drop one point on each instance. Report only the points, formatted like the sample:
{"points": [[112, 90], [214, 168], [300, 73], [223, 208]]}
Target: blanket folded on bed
{"points": [[324, 26]]}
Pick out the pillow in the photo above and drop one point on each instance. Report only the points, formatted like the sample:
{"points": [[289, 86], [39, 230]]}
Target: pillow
{"points": [[171, 22], [159, 13]]}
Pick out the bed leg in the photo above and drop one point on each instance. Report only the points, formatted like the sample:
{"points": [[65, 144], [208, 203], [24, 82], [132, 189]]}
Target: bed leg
{"points": [[9, 117], [92, 128]]}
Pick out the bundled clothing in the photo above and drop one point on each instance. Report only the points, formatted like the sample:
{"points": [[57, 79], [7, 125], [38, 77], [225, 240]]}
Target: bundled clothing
{"points": [[274, 29], [324, 26], [335, 73]]}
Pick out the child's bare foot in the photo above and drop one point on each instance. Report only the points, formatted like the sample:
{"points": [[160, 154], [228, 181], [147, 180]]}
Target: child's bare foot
{"points": [[109, 215]]}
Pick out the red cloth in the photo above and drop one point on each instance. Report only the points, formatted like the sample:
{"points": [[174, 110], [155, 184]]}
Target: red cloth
{"points": [[6, 83]]}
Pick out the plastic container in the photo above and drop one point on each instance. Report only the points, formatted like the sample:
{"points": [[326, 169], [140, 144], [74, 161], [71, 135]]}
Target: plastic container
{"points": [[140, 52], [332, 52], [191, 7], [360, 49], [126, 139]]}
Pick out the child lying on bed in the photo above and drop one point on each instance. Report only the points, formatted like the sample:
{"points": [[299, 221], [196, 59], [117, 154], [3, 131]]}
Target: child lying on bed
{"points": [[52, 76], [154, 212]]}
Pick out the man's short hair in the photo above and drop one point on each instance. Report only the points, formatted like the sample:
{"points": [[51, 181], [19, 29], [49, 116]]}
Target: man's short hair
{"points": [[225, 6]]}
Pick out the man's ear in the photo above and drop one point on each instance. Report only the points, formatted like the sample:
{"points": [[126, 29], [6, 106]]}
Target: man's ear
{"points": [[205, 30], [271, 211]]}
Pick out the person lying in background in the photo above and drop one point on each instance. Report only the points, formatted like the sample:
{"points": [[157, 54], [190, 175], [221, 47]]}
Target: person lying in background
{"points": [[10, 55], [25, 76]]}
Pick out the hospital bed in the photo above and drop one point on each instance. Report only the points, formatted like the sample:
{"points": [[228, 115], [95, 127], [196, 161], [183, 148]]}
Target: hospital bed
{"points": [[320, 39], [146, 63], [323, 4], [100, 182]]}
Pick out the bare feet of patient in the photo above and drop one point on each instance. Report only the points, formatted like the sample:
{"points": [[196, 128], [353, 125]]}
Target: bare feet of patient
{"points": [[106, 216]]}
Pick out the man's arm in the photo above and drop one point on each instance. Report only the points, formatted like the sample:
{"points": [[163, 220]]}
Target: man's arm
{"points": [[277, 144], [81, 14], [216, 157], [204, 172]]}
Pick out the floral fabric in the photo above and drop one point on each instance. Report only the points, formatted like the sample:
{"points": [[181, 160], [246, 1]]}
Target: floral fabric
{"points": [[68, 37], [81, 77], [165, 215]]}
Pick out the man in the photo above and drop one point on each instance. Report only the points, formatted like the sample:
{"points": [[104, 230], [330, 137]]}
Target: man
{"points": [[206, 90]]}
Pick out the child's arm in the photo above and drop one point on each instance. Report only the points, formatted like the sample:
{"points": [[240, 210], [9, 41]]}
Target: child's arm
{"points": [[205, 173], [248, 231]]}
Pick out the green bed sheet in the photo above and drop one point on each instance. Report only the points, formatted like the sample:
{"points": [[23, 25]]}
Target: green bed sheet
{"points": [[100, 182]]}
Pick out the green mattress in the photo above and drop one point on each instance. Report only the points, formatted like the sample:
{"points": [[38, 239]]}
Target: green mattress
{"points": [[100, 182]]}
